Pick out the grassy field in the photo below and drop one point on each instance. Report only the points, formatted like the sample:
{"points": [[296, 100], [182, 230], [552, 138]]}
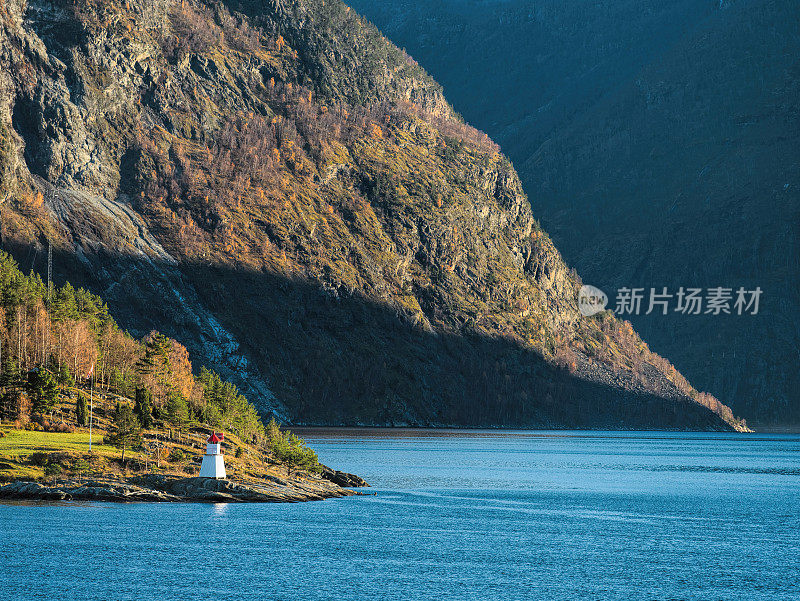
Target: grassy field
{"points": [[21, 443], [18, 446]]}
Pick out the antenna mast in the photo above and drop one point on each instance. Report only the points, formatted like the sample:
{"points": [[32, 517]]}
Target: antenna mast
{"points": [[49, 272]]}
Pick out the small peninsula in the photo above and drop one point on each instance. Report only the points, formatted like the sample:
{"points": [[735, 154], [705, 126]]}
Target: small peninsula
{"points": [[88, 412], [53, 466]]}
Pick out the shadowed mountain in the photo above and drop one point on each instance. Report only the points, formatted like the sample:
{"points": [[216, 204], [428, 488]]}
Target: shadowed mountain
{"points": [[289, 195], [355, 362], [658, 142]]}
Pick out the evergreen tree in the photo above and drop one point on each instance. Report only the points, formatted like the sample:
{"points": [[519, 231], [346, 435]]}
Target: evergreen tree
{"points": [[43, 390], [177, 411], [127, 431], [122, 383], [273, 431], [227, 409], [156, 355], [65, 377], [290, 449], [10, 375], [82, 410], [64, 305], [143, 407], [9, 401]]}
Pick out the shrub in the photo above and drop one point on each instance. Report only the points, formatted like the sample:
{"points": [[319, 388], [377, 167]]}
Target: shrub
{"points": [[62, 459], [39, 458], [52, 470], [60, 428], [290, 449]]}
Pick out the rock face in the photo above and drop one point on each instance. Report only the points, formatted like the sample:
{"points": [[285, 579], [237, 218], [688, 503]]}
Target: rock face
{"points": [[290, 196], [658, 142], [156, 488], [342, 479]]}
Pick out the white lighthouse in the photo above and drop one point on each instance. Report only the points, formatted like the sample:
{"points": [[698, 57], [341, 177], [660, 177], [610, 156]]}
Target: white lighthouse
{"points": [[213, 465]]}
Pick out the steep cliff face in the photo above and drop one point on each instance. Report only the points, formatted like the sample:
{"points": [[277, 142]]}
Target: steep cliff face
{"points": [[659, 144], [290, 195]]}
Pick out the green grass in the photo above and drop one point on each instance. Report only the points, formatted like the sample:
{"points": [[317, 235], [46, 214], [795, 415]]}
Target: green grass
{"points": [[21, 443], [17, 446]]}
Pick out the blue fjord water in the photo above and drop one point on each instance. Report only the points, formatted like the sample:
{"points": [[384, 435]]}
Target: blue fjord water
{"points": [[457, 515]]}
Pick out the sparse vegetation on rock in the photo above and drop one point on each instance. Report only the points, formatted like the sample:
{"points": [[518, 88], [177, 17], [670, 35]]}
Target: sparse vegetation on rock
{"points": [[291, 196]]}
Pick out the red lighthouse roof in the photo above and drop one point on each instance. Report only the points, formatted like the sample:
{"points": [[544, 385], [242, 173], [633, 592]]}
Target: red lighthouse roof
{"points": [[216, 437]]}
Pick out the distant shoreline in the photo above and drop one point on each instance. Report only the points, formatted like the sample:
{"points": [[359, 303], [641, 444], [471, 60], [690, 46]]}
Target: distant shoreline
{"points": [[308, 431]]}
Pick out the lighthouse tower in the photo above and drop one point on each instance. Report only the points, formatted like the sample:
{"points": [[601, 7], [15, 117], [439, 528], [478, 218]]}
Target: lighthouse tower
{"points": [[213, 465]]}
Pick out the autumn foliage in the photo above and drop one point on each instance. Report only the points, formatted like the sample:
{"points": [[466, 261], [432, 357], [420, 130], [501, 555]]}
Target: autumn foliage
{"points": [[68, 336]]}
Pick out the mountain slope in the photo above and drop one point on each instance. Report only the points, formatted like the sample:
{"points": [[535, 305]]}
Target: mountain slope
{"points": [[290, 196], [659, 144]]}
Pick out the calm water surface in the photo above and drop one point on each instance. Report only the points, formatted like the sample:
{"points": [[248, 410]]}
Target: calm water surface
{"points": [[457, 515]]}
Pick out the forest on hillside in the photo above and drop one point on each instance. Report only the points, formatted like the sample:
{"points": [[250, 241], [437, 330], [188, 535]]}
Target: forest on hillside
{"points": [[53, 337]]}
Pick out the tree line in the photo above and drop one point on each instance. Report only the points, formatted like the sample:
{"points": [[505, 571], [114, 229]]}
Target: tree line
{"points": [[51, 338]]}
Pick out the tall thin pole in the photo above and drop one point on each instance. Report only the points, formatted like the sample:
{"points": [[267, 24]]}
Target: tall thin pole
{"points": [[49, 273], [91, 406]]}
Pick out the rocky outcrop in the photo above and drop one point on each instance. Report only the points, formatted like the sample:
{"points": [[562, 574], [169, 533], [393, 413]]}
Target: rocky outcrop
{"points": [[157, 488], [342, 479]]}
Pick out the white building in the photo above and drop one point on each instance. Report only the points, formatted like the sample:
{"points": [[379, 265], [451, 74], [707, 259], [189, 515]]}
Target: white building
{"points": [[213, 465]]}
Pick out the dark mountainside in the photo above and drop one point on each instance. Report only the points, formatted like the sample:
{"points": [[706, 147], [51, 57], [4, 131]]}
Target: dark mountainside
{"points": [[658, 142], [290, 196]]}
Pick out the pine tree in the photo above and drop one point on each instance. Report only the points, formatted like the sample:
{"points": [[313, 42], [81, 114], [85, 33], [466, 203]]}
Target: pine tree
{"points": [[143, 407], [8, 404], [43, 390], [177, 410], [64, 305], [290, 449], [156, 354], [155, 366], [127, 432], [11, 375], [81, 411], [65, 377], [273, 431]]}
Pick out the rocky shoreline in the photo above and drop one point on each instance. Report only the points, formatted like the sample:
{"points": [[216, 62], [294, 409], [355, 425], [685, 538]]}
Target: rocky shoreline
{"points": [[162, 488]]}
